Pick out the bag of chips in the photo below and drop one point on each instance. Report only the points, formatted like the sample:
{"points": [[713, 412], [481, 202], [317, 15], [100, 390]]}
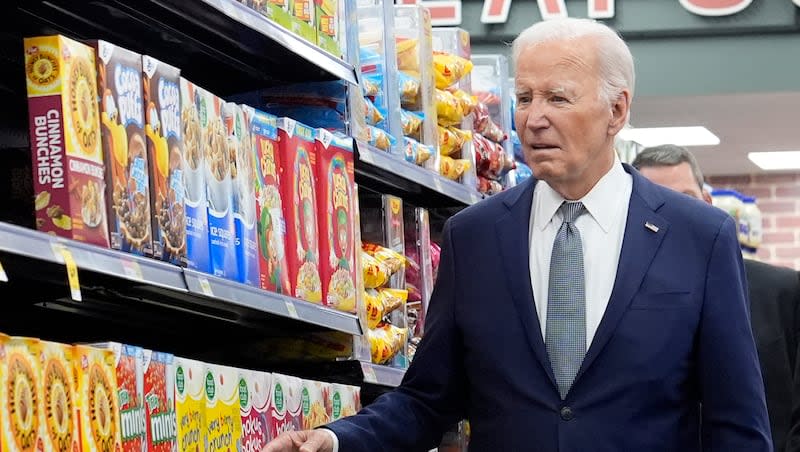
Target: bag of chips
{"points": [[451, 140], [386, 341], [371, 85], [381, 302], [467, 101], [373, 114], [449, 69], [452, 168], [375, 273], [412, 122], [407, 54], [390, 259], [409, 89], [448, 109], [379, 138], [415, 152]]}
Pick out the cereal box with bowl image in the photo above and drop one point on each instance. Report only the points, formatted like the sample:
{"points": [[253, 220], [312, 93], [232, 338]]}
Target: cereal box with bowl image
{"points": [[162, 98], [194, 119], [59, 412], [66, 151], [119, 82], [223, 409], [298, 193], [159, 401], [98, 402], [190, 404], [286, 411], [130, 382], [219, 189], [335, 182], [244, 194], [21, 398], [316, 404], [254, 398], [271, 227]]}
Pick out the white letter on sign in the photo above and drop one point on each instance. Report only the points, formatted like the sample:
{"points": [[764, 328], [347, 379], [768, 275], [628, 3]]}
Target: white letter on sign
{"points": [[715, 7]]}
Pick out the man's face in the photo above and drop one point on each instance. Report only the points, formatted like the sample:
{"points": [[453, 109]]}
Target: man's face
{"points": [[677, 177], [566, 127]]}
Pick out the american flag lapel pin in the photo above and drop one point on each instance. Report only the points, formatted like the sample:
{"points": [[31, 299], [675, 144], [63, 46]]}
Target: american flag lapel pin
{"points": [[651, 226]]}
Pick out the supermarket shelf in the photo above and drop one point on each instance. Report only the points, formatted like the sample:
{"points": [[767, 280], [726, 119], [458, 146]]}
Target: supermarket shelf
{"points": [[165, 286], [251, 297], [219, 44], [389, 174]]}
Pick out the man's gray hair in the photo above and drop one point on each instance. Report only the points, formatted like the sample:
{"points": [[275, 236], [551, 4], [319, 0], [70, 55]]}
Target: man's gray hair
{"points": [[668, 155], [614, 56]]}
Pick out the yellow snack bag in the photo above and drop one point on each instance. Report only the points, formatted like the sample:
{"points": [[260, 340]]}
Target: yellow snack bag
{"points": [[448, 108], [467, 101], [452, 139], [381, 302], [375, 274], [449, 68], [407, 54], [391, 260], [452, 168]]}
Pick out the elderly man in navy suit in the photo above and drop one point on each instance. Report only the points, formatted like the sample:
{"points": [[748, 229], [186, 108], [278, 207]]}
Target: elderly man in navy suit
{"points": [[586, 309]]}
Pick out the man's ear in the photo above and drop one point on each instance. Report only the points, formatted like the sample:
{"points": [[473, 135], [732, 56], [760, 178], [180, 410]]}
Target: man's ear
{"points": [[620, 109], [706, 196]]}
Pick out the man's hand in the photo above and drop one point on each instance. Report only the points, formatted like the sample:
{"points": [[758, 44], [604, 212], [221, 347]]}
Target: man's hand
{"points": [[304, 441]]}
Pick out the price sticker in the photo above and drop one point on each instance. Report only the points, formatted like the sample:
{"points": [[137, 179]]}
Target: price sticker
{"points": [[205, 286], [369, 374], [64, 255], [292, 310], [132, 270], [3, 275]]}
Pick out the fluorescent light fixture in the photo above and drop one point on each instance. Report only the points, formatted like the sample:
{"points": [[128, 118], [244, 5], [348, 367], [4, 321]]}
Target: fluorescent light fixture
{"points": [[776, 160], [680, 136]]}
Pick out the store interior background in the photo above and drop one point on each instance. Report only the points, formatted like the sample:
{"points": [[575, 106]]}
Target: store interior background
{"points": [[737, 75]]}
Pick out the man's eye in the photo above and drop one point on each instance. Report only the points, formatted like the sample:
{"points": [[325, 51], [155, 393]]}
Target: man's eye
{"points": [[558, 99], [523, 99]]}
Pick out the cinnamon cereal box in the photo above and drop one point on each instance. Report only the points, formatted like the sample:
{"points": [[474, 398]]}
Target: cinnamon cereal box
{"points": [[130, 382], [286, 409], [254, 398], [21, 398], [190, 404], [98, 403], [159, 401], [244, 194], [335, 182], [119, 82], [223, 409], [299, 196], [271, 227], [64, 120], [194, 118], [162, 98]]}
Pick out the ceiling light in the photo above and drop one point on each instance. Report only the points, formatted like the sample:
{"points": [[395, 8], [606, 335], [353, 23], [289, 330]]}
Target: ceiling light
{"points": [[680, 136], [776, 160]]}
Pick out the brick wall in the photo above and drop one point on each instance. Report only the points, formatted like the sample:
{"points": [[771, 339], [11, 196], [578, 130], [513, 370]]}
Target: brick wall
{"points": [[778, 197]]}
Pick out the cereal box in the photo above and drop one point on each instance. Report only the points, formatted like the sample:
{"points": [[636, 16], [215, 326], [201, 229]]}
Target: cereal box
{"points": [[278, 11], [130, 382], [67, 156], [345, 401], [286, 410], [159, 401], [98, 405], [58, 414], [219, 189], [194, 119], [327, 16], [302, 23], [162, 97], [271, 227], [316, 400], [223, 409], [119, 82], [254, 396], [244, 194], [298, 193], [335, 181], [190, 404], [21, 415]]}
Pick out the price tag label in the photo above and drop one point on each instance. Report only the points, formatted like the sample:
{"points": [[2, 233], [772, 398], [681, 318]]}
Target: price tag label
{"points": [[369, 374], [3, 276], [132, 270], [64, 255], [292, 310], [205, 286]]}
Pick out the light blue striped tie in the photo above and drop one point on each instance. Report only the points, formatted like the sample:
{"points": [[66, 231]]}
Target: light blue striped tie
{"points": [[565, 336]]}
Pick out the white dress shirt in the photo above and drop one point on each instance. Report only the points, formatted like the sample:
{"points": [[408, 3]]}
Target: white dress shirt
{"points": [[602, 228]]}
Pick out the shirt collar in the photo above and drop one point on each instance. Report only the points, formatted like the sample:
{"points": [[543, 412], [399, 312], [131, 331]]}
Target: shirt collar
{"points": [[601, 202]]}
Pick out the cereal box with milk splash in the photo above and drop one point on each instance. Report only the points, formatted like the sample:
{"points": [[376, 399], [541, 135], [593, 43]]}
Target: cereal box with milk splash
{"points": [[271, 227], [286, 408], [254, 398], [298, 193], [335, 183], [66, 151]]}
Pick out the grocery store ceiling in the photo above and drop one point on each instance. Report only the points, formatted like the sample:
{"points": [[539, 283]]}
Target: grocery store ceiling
{"points": [[743, 122]]}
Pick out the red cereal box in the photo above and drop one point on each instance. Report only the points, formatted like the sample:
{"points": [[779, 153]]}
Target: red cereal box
{"points": [[298, 192], [130, 381], [286, 412], [68, 170], [335, 182], [159, 399]]}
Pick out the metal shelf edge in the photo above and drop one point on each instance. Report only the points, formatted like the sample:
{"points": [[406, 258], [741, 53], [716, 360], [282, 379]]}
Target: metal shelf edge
{"points": [[382, 375]]}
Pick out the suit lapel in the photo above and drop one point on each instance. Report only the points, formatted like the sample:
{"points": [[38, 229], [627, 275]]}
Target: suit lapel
{"points": [[644, 232], [514, 243]]}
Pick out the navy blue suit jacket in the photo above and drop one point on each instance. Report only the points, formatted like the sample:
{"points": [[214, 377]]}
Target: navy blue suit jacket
{"points": [[676, 332]]}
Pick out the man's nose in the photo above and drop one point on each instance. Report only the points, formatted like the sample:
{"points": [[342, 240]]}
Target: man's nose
{"points": [[537, 119]]}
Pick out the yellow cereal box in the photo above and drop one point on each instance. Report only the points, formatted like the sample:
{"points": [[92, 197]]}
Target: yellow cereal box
{"points": [[223, 412], [20, 398], [66, 151], [58, 415], [98, 403], [190, 404]]}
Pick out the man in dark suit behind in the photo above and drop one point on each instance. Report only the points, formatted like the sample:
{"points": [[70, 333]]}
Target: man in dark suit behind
{"points": [[774, 301]]}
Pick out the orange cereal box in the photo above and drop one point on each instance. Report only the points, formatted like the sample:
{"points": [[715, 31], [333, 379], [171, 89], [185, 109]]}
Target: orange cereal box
{"points": [[298, 193], [335, 182], [64, 124], [98, 404], [59, 413], [130, 381], [21, 396]]}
